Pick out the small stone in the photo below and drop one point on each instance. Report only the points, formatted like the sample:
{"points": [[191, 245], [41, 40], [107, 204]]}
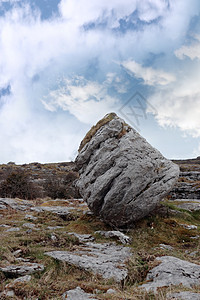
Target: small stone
{"points": [[83, 238], [111, 291], [29, 225], [189, 227], [17, 252], [53, 237], [23, 279], [124, 239], [195, 237], [12, 229], [166, 247], [9, 294], [22, 259], [77, 294], [194, 253], [5, 226], [54, 227]]}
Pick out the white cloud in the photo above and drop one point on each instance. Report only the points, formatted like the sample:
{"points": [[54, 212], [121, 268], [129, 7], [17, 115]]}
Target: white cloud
{"points": [[59, 46], [86, 100], [82, 12], [149, 75], [192, 51], [179, 104]]}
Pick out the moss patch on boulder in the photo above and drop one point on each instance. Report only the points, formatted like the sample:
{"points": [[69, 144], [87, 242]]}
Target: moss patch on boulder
{"points": [[95, 128]]}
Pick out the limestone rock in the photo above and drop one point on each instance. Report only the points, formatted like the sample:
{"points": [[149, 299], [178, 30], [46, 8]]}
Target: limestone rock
{"points": [[30, 217], [191, 206], [173, 271], [83, 238], [16, 204], [124, 239], [104, 259], [7, 293], [58, 210], [2, 206], [54, 227], [189, 227], [12, 229], [21, 270], [78, 294], [29, 225], [111, 291], [122, 177], [166, 247]]}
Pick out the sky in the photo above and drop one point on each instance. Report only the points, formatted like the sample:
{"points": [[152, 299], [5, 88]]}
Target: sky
{"points": [[64, 64]]}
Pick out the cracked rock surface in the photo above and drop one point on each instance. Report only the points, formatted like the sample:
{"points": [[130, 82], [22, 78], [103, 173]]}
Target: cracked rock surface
{"points": [[122, 177], [104, 259], [173, 271]]}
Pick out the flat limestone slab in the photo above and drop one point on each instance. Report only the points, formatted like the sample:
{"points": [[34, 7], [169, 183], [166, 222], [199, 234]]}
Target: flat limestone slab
{"points": [[172, 271], [16, 204], [21, 270], [105, 259]]}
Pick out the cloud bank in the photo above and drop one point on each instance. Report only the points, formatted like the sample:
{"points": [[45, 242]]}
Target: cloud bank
{"points": [[60, 73]]}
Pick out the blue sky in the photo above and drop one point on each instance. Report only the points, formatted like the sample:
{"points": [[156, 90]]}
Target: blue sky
{"points": [[64, 64]]}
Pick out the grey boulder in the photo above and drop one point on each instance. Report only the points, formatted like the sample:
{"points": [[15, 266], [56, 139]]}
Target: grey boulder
{"points": [[122, 177], [173, 271]]}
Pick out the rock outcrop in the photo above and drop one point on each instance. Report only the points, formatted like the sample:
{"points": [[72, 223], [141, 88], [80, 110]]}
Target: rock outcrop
{"points": [[21, 270], [106, 259], [173, 271], [122, 177]]}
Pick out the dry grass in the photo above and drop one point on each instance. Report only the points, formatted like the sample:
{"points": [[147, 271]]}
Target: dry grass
{"points": [[59, 277]]}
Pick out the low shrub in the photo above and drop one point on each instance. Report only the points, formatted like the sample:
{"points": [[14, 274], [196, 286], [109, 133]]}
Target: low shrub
{"points": [[17, 184]]}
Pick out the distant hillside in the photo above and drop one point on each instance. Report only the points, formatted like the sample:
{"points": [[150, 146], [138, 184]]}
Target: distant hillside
{"points": [[35, 180], [56, 180], [192, 161]]}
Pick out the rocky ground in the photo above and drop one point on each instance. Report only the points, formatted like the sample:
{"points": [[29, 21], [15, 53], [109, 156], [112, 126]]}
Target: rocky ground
{"points": [[57, 249]]}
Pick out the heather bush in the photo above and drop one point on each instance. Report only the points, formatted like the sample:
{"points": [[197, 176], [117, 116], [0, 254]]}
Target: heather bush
{"points": [[17, 184], [62, 186]]}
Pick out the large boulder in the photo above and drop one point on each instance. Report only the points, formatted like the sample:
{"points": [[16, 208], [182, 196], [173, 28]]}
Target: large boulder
{"points": [[122, 177]]}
